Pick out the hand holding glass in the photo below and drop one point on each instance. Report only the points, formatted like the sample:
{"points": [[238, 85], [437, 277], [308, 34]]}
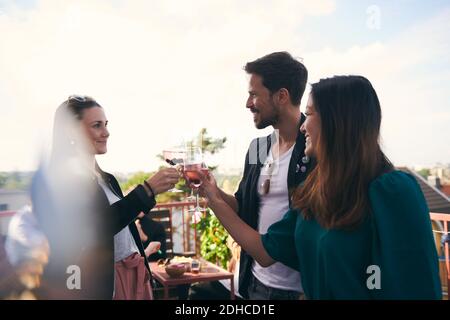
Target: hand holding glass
{"points": [[175, 158]]}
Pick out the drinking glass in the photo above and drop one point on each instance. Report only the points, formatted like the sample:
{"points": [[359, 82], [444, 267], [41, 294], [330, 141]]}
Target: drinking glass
{"points": [[193, 165], [175, 157]]}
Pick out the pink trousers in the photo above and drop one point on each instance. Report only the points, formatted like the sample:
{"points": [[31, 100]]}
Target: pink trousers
{"points": [[132, 279]]}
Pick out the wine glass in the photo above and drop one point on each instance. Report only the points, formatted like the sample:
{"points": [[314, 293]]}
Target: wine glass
{"points": [[175, 157], [193, 165], [205, 172]]}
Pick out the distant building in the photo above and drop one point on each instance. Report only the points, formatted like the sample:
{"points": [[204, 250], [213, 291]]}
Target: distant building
{"points": [[442, 172], [446, 189], [437, 201], [436, 182]]}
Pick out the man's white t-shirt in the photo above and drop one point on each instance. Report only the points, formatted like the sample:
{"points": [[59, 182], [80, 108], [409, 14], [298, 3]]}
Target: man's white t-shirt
{"points": [[273, 206]]}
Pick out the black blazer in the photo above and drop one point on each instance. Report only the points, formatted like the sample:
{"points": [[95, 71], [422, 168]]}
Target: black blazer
{"points": [[247, 193], [128, 207], [81, 232]]}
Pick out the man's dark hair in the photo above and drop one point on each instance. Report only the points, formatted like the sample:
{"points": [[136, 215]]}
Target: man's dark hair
{"points": [[280, 70]]}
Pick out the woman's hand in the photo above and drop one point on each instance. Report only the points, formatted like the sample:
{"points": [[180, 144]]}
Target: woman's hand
{"points": [[209, 189], [152, 248], [142, 234], [164, 180]]}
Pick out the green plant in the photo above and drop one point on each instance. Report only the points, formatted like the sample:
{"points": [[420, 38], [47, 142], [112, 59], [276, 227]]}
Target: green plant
{"points": [[424, 173], [213, 239]]}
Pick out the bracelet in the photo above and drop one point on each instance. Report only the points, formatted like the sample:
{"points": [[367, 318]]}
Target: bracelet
{"points": [[150, 188]]}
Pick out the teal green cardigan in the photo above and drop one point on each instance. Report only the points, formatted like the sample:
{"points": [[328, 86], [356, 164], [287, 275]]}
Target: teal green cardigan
{"points": [[391, 255]]}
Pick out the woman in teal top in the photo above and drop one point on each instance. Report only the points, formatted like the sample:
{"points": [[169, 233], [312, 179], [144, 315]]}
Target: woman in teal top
{"points": [[358, 228], [396, 237]]}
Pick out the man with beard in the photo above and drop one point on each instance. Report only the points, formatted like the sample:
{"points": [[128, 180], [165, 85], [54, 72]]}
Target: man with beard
{"points": [[274, 166]]}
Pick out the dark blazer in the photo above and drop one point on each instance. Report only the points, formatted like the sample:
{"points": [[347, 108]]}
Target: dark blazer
{"points": [[81, 232], [247, 193]]}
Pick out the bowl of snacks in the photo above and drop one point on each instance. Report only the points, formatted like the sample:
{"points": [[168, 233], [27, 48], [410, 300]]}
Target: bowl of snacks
{"points": [[175, 270], [184, 260]]}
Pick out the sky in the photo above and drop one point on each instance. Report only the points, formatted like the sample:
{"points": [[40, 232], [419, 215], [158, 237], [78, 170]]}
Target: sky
{"points": [[163, 70]]}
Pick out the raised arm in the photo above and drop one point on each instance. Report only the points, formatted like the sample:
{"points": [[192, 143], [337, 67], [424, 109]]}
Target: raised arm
{"points": [[248, 238], [141, 199], [230, 200]]}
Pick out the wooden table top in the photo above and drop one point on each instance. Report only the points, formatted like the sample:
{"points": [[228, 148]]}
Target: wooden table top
{"points": [[208, 272]]}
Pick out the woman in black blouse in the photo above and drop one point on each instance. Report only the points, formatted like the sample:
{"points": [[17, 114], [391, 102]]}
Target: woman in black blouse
{"points": [[81, 208]]}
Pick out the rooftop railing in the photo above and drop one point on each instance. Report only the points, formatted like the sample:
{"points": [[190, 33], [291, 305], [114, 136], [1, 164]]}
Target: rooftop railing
{"points": [[440, 224]]}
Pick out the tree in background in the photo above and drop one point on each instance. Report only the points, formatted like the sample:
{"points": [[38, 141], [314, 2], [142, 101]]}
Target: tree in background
{"points": [[3, 179], [16, 180], [424, 173], [134, 180], [209, 145]]}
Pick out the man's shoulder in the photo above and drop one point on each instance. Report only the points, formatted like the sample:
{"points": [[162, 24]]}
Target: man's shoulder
{"points": [[260, 141], [262, 138], [258, 150]]}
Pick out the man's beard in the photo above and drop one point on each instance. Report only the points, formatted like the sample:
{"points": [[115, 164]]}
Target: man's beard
{"points": [[265, 123], [272, 120]]}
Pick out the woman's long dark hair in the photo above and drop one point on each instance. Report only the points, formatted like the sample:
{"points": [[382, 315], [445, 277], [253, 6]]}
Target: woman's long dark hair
{"points": [[66, 131], [70, 212], [57, 178], [348, 155]]}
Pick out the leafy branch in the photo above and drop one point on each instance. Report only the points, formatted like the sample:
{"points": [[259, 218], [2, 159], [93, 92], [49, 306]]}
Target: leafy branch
{"points": [[213, 238]]}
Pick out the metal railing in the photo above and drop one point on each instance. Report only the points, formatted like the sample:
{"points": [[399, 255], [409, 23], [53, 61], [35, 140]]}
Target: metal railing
{"points": [[443, 221]]}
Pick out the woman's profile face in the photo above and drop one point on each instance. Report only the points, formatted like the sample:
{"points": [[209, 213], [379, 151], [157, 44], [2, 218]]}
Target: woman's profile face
{"points": [[311, 128], [95, 124]]}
